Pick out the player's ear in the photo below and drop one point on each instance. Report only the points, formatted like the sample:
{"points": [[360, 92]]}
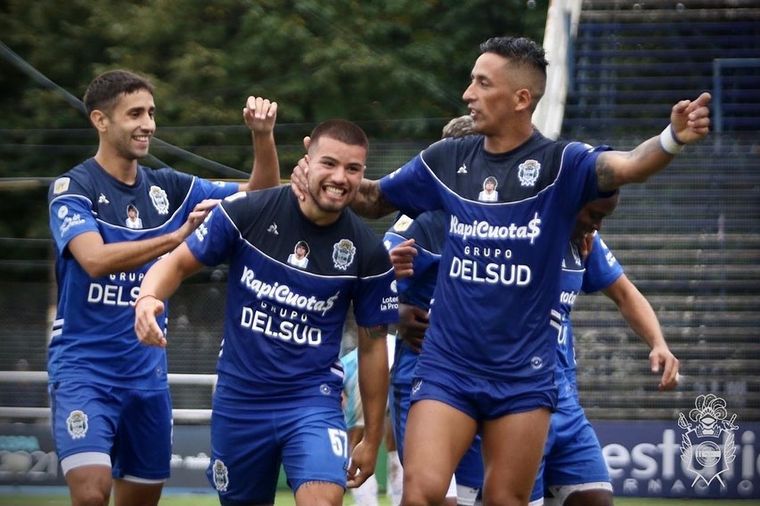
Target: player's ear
{"points": [[99, 120]]}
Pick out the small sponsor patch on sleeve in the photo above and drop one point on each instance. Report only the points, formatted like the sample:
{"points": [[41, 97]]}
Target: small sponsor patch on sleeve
{"points": [[402, 223], [61, 185]]}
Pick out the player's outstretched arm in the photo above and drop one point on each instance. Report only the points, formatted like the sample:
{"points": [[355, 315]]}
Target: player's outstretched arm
{"points": [[260, 116], [98, 258], [639, 314], [160, 282], [689, 123], [373, 389]]}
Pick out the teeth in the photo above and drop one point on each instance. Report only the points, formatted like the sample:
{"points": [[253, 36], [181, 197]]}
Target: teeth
{"points": [[334, 191]]}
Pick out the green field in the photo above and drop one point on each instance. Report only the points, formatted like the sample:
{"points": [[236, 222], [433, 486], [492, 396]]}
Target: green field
{"points": [[286, 499]]}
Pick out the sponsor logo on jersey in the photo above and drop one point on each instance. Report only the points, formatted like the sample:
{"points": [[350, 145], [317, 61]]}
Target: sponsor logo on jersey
{"points": [[76, 424], [283, 294], [68, 221], [711, 451], [102, 199], [273, 229], [403, 223], [61, 185], [527, 172], [159, 199], [343, 254], [462, 169], [484, 230], [221, 476]]}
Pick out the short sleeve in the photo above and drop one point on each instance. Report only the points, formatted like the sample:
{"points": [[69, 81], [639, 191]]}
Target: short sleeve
{"points": [[602, 268], [211, 243], [70, 216]]}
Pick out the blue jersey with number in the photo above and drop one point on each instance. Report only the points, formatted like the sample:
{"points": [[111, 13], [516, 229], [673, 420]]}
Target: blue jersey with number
{"points": [[93, 338], [599, 270], [286, 309], [509, 220]]}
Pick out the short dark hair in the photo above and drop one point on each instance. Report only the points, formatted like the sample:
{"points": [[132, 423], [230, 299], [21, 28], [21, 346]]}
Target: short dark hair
{"points": [[104, 90], [341, 130], [520, 50]]}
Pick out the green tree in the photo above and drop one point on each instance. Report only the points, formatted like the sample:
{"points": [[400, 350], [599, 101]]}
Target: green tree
{"points": [[397, 67]]}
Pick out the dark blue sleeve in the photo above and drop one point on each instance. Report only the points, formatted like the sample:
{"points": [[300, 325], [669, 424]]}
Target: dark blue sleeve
{"points": [[413, 188], [375, 298], [212, 242], [602, 268]]}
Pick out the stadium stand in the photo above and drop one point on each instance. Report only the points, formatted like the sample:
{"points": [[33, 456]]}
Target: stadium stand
{"points": [[689, 238]]}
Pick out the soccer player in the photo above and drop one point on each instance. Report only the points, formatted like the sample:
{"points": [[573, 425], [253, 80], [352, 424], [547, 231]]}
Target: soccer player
{"points": [[574, 472], [111, 409], [278, 396], [415, 294], [488, 362]]}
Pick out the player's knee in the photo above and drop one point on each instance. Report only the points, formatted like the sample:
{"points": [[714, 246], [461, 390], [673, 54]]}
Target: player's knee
{"points": [[506, 497], [420, 489], [90, 497], [589, 498]]}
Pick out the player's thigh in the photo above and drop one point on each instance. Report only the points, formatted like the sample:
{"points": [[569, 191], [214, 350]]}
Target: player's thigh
{"points": [[437, 435], [512, 448], [245, 455], [571, 496], [315, 446], [143, 446]]}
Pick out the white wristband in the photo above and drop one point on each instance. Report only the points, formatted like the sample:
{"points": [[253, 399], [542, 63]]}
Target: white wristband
{"points": [[669, 143]]}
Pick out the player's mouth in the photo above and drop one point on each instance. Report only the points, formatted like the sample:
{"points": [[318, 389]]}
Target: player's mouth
{"points": [[143, 140], [334, 191]]}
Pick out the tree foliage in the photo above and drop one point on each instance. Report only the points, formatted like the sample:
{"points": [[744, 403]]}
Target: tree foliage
{"points": [[397, 67]]}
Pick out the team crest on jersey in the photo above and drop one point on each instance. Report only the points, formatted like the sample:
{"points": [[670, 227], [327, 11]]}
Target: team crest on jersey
{"points": [[221, 476], [704, 455], [159, 199], [61, 185], [403, 223], [528, 172], [343, 254], [76, 424]]}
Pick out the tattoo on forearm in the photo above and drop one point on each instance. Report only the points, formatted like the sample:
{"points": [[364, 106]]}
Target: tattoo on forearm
{"points": [[605, 175], [377, 332]]}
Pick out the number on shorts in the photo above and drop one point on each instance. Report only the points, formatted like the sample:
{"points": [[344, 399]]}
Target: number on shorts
{"points": [[339, 442]]}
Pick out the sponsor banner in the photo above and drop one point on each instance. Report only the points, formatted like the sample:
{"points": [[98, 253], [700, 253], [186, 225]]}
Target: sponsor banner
{"points": [[662, 459]]}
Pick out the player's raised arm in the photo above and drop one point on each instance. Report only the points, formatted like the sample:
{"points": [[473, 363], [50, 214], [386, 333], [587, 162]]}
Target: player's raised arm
{"points": [[639, 314], [160, 283], [689, 122], [373, 388], [260, 115]]}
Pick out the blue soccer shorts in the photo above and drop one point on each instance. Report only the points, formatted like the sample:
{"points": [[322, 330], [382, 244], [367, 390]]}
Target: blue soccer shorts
{"points": [[250, 443], [91, 422]]}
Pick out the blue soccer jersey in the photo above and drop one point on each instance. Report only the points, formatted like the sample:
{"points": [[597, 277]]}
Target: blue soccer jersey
{"points": [[93, 338], [598, 271], [284, 316], [500, 266]]}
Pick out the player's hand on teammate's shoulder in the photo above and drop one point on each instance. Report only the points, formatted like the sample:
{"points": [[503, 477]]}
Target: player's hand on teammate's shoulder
{"points": [[298, 182], [196, 217]]}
